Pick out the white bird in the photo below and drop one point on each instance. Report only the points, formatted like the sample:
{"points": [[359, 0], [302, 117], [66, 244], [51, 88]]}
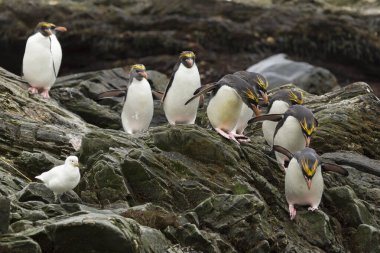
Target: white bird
{"points": [[62, 178], [303, 178], [42, 58], [184, 81]]}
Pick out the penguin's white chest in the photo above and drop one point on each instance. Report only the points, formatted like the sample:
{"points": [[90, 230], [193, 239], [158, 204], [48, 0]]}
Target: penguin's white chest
{"points": [[296, 190], [246, 114], [268, 126], [42, 60], [138, 107], [290, 135], [185, 82], [224, 108]]}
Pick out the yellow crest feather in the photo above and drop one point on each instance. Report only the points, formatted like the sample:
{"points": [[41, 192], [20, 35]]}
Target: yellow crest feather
{"points": [[187, 54], [138, 67], [305, 127], [251, 95], [309, 171], [262, 82], [293, 97]]}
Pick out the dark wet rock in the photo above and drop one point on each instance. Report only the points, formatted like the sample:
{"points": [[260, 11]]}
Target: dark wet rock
{"points": [[16, 243], [367, 239], [279, 70], [355, 160], [180, 188], [4, 214], [36, 163], [351, 209], [320, 230], [36, 192]]}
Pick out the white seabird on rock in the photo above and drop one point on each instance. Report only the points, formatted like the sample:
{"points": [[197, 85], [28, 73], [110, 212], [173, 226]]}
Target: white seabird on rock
{"points": [[62, 178]]}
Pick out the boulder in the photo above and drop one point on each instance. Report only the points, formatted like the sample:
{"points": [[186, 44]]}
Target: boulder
{"points": [[279, 70]]}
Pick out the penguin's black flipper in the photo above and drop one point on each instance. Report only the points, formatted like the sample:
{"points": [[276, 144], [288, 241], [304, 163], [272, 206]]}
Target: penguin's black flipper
{"points": [[335, 168], [202, 90], [157, 94], [111, 93], [283, 151], [271, 117]]}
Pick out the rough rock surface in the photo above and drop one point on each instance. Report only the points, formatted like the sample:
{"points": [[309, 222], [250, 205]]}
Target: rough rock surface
{"points": [[227, 36], [178, 188]]}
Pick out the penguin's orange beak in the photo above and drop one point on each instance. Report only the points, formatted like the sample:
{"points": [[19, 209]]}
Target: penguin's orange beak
{"points": [[60, 29], [143, 74], [307, 140], [265, 97], [308, 182], [189, 62], [256, 110]]}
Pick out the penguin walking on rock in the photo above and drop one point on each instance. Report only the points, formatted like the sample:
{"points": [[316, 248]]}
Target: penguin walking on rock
{"points": [[293, 131], [228, 96], [279, 103], [183, 82], [138, 108], [42, 58], [303, 178], [259, 85]]}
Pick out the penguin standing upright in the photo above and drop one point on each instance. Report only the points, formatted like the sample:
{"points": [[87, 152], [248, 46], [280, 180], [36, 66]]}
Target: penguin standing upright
{"points": [[279, 103], [138, 108], [259, 85], [223, 110], [303, 178], [293, 130], [183, 82], [42, 58]]}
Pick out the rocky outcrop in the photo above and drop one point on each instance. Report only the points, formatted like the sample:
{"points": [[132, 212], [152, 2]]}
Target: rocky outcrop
{"points": [[227, 36], [177, 188]]}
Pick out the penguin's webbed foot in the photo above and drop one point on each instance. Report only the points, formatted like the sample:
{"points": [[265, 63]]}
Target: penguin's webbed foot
{"points": [[242, 138], [226, 135], [45, 94], [292, 212], [32, 90], [313, 208]]}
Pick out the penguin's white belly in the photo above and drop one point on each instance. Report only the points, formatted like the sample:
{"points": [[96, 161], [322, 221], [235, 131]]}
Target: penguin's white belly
{"points": [[296, 190], [138, 107], [289, 136], [40, 53], [246, 114], [268, 126], [185, 82], [224, 108]]}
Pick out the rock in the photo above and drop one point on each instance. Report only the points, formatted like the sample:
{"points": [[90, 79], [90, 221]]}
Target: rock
{"points": [[351, 209], [4, 214], [184, 186], [367, 239], [319, 230], [190, 235], [15, 243], [36, 163], [279, 71], [117, 234], [37, 192], [355, 160]]}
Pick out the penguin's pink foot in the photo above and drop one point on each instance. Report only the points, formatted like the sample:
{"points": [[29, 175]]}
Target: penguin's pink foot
{"points": [[45, 94], [32, 90], [313, 208], [292, 212], [226, 135]]}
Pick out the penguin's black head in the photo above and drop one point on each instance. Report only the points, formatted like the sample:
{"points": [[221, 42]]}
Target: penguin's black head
{"points": [[262, 86], [251, 98], [306, 119], [309, 161], [296, 97], [187, 58], [138, 72], [47, 29]]}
